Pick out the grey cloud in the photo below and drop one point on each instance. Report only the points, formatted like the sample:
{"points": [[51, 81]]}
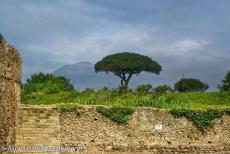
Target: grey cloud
{"points": [[190, 37]]}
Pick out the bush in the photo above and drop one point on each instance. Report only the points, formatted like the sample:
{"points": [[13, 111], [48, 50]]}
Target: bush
{"points": [[88, 90], [162, 89], [190, 85], [117, 114], [143, 89], [104, 89], [225, 84], [122, 89], [46, 83]]}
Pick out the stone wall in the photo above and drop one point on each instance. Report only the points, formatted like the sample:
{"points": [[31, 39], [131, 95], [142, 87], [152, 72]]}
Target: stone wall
{"points": [[10, 69], [98, 134], [38, 126]]}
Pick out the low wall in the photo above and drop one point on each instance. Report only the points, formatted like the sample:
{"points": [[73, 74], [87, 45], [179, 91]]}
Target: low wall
{"points": [[94, 133]]}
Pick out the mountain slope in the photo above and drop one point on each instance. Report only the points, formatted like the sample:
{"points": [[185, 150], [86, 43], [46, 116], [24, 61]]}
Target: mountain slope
{"points": [[82, 75]]}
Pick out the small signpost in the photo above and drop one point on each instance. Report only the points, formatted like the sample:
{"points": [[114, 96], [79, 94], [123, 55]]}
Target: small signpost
{"points": [[158, 126]]}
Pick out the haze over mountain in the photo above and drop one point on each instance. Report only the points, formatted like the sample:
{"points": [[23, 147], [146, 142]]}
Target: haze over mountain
{"points": [[82, 75]]}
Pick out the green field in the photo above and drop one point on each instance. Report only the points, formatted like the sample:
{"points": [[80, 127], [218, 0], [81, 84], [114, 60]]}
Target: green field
{"points": [[195, 100]]}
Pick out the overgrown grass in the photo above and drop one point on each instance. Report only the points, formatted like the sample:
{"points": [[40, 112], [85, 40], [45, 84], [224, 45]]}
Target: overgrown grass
{"points": [[67, 107], [169, 101], [117, 114], [202, 119], [40, 98], [194, 106]]}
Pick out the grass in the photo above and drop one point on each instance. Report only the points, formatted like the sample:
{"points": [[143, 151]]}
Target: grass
{"points": [[67, 107], [41, 98], [195, 100], [200, 108]]}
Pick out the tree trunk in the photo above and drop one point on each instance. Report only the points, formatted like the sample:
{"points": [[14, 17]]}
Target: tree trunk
{"points": [[125, 79], [122, 81]]}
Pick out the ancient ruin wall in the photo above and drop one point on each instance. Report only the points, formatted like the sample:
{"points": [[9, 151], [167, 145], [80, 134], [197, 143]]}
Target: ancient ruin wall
{"points": [[45, 125], [10, 69]]}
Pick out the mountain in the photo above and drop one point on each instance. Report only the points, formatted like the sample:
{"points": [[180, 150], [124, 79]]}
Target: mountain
{"points": [[82, 75]]}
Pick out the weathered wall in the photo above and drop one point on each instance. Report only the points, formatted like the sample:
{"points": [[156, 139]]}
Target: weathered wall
{"points": [[38, 126], [97, 134], [10, 69]]}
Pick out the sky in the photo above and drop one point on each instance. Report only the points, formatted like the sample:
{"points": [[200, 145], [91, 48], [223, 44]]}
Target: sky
{"points": [[188, 37]]}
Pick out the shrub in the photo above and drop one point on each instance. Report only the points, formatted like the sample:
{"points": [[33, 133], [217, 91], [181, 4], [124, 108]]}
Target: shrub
{"points": [[104, 89], [117, 114], [162, 89], [143, 89], [190, 85], [88, 90], [122, 89], [47, 83]]}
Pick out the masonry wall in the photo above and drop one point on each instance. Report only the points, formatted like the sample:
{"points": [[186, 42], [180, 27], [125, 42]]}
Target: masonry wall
{"points": [[10, 69], [95, 133], [38, 126]]}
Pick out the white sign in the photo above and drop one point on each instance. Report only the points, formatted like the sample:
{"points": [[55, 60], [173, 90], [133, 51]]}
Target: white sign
{"points": [[158, 127]]}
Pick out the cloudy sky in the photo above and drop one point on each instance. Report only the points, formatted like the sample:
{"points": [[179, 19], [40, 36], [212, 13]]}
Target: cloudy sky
{"points": [[188, 37]]}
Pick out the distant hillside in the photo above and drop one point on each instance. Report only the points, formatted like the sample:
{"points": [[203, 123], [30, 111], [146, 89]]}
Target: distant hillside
{"points": [[82, 75]]}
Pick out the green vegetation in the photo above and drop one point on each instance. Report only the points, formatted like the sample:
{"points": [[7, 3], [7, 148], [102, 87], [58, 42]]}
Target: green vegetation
{"points": [[202, 119], [67, 107], [225, 84], [143, 89], [122, 89], [47, 89], [196, 106], [162, 89], [40, 85], [117, 114], [190, 85], [192, 100], [125, 65], [39, 98], [47, 83]]}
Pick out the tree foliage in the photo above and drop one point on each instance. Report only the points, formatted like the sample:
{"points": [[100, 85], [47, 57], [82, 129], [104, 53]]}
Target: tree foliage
{"points": [[40, 82], [125, 65], [225, 84], [190, 85]]}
